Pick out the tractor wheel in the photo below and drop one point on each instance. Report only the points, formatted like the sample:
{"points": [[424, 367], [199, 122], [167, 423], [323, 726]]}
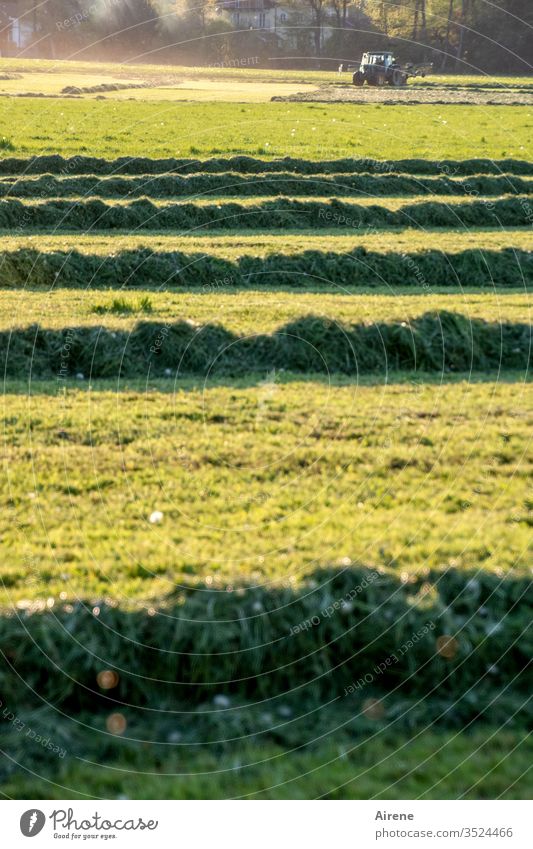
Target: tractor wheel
{"points": [[358, 78], [398, 78]]}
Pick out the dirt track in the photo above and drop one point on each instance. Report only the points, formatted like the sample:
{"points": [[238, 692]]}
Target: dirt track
{"points": [[411, 95]]}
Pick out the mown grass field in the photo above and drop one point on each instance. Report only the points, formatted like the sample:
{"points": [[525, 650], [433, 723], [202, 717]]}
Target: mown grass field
{"points": [[245, 462], [312, 471], [268, 130], [97, 71], [249, 312], [486, 765]]}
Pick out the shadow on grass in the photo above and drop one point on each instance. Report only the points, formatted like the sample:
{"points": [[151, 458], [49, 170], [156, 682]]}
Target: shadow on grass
{"points": [[350, 657], [342, 632]]}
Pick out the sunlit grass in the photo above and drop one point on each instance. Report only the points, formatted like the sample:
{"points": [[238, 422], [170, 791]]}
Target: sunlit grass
{"points": [[270, 130], [259, 480], [250, 311], [339, 239]]}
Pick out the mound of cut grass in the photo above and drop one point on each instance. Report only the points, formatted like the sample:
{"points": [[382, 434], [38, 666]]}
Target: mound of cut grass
{"points": [[306, 645], [283, 183], [435, 342], [141, 165], [280, 214], [101, 87], [142, 267]]}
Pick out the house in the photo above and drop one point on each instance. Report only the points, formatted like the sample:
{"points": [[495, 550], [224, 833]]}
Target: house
{"points": [[287, 24], [254, 14], [18, 27]]}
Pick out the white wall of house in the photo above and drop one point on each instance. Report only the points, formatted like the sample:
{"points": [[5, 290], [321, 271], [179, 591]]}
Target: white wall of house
{"points": [[21, 32], [269, 19], [282, 20]]}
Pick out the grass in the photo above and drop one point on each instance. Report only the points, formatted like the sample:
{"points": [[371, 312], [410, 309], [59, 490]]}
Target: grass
{"points": [[340, 239], [485, 764], [251, 311], [159, 89], [476, 169], [92, 72], [220, 200], [51, 66], [440, 342], [123, 307], [175, 528], [410, 476], [355, 271], [314, 131]]}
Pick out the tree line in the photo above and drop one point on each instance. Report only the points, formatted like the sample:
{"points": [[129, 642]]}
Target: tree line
{"points": [[462, 36]]}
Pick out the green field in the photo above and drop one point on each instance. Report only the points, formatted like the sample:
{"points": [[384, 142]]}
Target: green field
{"points": [[226, 462], [246, 313], [259, 244], [250, 451], [269, 130], [482, 765], [94, 72]]}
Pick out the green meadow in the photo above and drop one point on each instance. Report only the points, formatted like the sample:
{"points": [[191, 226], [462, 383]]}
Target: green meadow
{"points": [[246, 462], [268, 130]]}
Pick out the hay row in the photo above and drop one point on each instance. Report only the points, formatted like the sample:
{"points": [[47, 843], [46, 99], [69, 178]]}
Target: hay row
{"points": [[435, 342], [289, 721], [279, 214], [312, 642], [68, 166], [101, 87], [144, 268], [284, 183]]}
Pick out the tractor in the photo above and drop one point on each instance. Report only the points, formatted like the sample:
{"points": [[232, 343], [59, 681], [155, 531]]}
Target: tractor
{"points": [[379, 69]]}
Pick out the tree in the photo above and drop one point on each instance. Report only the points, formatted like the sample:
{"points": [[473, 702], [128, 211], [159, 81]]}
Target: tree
{"points": [[340, 8], [419, 20], [317, 8], [448, 33], [383, 17]]}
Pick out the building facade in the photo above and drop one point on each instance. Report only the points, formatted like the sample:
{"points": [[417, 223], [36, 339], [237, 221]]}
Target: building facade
{"points": [[18, 27]]}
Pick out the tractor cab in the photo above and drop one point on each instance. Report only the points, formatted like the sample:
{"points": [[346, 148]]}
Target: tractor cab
{"points": [[379, 69], [383, 60]]}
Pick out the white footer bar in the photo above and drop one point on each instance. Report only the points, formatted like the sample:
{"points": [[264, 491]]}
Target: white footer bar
{"points": [[268, 825]]}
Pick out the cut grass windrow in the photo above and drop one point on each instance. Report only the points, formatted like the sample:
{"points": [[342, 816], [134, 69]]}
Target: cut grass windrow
{"points": [[140, 165], [145, 268], [302, 644], [434, 342], [280, 214], [285, 183]]}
